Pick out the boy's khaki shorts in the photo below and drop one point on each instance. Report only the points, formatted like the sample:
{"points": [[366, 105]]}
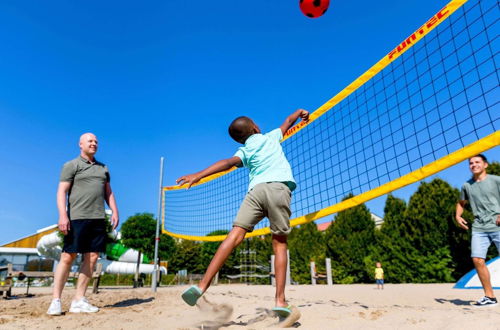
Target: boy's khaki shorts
{"points": [[271, 200]]}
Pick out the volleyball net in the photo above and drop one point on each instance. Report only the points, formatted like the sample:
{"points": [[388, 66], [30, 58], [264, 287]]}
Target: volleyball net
{"points": [[430, 103]]}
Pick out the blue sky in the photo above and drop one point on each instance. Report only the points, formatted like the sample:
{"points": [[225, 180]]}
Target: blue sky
{"points": [[165, 78]]}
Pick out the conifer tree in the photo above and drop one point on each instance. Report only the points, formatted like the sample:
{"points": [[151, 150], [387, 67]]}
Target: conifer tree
{"points": [[207, 252], [306, 243], [349, 240], [187, 257], [391, 249], [493, 168], [428, 221]]}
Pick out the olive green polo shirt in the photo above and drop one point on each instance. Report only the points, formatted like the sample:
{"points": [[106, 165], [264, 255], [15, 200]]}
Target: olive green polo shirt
{"points": [[86, 195]]}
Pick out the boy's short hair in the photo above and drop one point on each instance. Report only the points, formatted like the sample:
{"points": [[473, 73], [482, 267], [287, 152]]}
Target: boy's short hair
{"points": [[483, 157], [240, 129]]}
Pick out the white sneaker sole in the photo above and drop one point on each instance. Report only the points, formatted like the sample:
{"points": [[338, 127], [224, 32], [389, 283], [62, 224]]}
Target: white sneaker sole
{"points": [[485, 306], [79, 310], [54, 314]]}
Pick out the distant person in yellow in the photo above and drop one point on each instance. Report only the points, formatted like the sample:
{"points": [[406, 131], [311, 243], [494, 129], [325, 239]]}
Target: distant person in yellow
{"points": [[379, 276]]}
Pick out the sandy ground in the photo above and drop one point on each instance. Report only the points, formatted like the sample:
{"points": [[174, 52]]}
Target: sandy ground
{"points": [[403, 306]]}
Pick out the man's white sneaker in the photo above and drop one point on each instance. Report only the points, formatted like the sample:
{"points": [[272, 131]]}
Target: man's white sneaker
{"points": [[486, 301], [55, 307], [82, 306]]}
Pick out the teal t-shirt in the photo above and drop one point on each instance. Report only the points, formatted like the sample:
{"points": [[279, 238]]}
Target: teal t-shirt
{"points": [[264, 157], [484, 199]]}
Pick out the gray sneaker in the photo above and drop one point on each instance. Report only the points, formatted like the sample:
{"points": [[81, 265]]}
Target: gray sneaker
{"points": [[486, 301], [55, 307], [82, 306]]}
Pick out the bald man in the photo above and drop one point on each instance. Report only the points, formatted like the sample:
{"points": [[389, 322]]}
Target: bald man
{"points": [[83, 188]]}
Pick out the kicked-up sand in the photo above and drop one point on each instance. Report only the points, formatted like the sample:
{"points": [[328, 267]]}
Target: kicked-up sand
{"points": [[398, 306]]}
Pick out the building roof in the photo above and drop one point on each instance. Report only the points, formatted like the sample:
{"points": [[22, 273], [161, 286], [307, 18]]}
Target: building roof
{"points": [[15, 250], [30, 241], [378, 222]]}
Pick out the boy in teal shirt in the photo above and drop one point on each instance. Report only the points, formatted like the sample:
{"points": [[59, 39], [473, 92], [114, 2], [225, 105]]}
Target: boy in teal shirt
{"points": [[269, 195]]}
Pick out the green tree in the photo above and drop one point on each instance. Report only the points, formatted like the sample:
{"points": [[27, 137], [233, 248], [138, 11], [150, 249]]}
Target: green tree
{"points": [[348, 241], [493, 168], [264, 249], [429, 218], [391, 248], [207, 252], [187, 257], [139, 231], [306, 243]]}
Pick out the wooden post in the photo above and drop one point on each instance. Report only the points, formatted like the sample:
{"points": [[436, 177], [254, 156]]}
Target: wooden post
{"points": [[136, 276], [313, 273], [329, 271], [97, 278]]}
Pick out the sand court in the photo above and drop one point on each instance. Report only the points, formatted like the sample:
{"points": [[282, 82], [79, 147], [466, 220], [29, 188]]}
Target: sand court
{"points": [[399, 306]]}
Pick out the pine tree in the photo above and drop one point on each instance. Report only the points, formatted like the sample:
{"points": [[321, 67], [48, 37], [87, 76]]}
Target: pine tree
{"points": [[349, 241], [207, 252], [391, 249], [493, 168], [187, 257], [306, 243], [428, 221]]}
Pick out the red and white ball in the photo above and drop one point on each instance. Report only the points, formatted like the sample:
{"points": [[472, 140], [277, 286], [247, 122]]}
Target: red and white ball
{"points": [[314, 8]]}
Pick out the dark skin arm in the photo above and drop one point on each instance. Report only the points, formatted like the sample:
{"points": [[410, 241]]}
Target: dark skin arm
{"points": [[290, 120], [226, 164], [220, 166]]}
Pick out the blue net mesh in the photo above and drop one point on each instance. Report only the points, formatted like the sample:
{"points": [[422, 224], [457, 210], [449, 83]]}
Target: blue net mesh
{"points": [[439, 96]]}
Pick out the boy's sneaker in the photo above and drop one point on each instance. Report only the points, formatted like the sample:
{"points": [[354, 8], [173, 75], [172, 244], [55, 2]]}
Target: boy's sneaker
{"points": [[55, 307], [486, 301], [82, 306]]}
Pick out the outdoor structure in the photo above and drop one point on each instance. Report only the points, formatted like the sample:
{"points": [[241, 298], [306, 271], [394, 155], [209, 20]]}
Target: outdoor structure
{"points": [[23, 254], [378, 222], [315, 275], [24, 259], [471, 280], [40, 252]]}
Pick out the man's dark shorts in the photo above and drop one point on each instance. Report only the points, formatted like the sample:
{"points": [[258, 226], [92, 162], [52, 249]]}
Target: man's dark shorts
{"points": [[86, 235]]}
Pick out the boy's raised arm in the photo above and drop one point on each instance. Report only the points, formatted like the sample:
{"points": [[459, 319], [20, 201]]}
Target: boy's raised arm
{"points": [[290, 120], [220, 166]]}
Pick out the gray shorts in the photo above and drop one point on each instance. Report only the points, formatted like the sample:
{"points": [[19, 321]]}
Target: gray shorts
{"points": [[271, 200]]}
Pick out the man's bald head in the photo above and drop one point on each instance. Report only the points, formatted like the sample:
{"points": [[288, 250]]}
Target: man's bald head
{"points": [[241, 128], [88, 145], [86, 136]]}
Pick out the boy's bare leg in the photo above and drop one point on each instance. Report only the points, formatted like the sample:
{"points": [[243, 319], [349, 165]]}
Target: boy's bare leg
{"points": [[233, 239], [89, 260], [484, 276], [62, 272], [280, 261]]}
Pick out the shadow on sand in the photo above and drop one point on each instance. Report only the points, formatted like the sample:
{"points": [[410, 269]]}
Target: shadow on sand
{"points": [[458, 302], [131, 302]]}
